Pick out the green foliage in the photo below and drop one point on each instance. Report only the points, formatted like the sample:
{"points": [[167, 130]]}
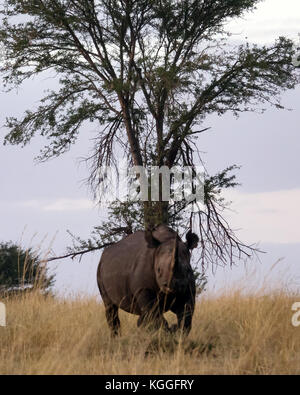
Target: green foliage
{"points": [[22, 270], [215, 184], [201, 280]]}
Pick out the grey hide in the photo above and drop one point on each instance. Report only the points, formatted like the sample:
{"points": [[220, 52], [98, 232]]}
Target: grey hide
{"points": [[147, 274]]}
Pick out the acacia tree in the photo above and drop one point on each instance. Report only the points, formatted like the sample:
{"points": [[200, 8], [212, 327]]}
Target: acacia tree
{"points": [[148, 72]]}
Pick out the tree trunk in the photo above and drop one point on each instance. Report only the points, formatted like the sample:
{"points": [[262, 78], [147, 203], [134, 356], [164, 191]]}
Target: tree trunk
{"points": [[156, 213]]}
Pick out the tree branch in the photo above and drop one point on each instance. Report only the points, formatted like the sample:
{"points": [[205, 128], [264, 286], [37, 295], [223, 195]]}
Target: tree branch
{"points": [[73, 255]]}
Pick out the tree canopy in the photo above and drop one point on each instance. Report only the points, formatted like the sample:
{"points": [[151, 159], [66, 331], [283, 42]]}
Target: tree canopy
{"points": [[148, 73], [22, 270]]}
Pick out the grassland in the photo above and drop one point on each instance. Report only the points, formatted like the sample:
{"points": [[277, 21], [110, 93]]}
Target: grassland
{"points": [[232, 334]]}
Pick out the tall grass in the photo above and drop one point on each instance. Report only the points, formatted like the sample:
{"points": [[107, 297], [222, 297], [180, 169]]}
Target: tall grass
{"points": [[232, 333]]}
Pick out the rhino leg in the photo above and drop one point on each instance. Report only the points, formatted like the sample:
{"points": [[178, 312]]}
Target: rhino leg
{"points": [[153, 320], [151, 314], [112, 318], [184, 315], [111, 310], [185, 319]]}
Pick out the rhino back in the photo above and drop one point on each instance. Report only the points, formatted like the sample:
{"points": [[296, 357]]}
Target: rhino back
{"points": [[125, 269]]}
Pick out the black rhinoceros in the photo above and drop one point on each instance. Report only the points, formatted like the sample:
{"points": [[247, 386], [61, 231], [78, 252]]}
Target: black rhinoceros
{"points": [[148, 273]]}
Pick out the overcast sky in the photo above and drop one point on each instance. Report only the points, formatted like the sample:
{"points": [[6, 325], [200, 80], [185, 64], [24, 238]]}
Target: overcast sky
{"points": [[38, 203]]}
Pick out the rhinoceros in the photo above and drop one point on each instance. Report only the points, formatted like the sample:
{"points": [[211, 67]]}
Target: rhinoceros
{"points": [[148, 273]]}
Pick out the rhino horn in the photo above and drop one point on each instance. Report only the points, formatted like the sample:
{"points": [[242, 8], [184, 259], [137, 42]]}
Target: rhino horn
{"points": [[174, 254], [173, 261]]}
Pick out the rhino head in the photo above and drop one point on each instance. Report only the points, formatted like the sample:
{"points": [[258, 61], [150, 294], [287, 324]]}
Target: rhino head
{"points": [[171, 258]]}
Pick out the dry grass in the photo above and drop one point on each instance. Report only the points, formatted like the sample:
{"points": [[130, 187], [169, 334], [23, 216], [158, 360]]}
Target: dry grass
{"points": [[232, 334]]}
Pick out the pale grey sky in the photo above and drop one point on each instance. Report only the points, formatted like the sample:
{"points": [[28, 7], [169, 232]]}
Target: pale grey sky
{"points": [[272, 18], [50, 198]]}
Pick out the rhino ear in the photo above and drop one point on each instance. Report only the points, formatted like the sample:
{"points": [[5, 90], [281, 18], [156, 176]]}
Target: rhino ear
{"points": [[150, 240], [191, 240]]}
